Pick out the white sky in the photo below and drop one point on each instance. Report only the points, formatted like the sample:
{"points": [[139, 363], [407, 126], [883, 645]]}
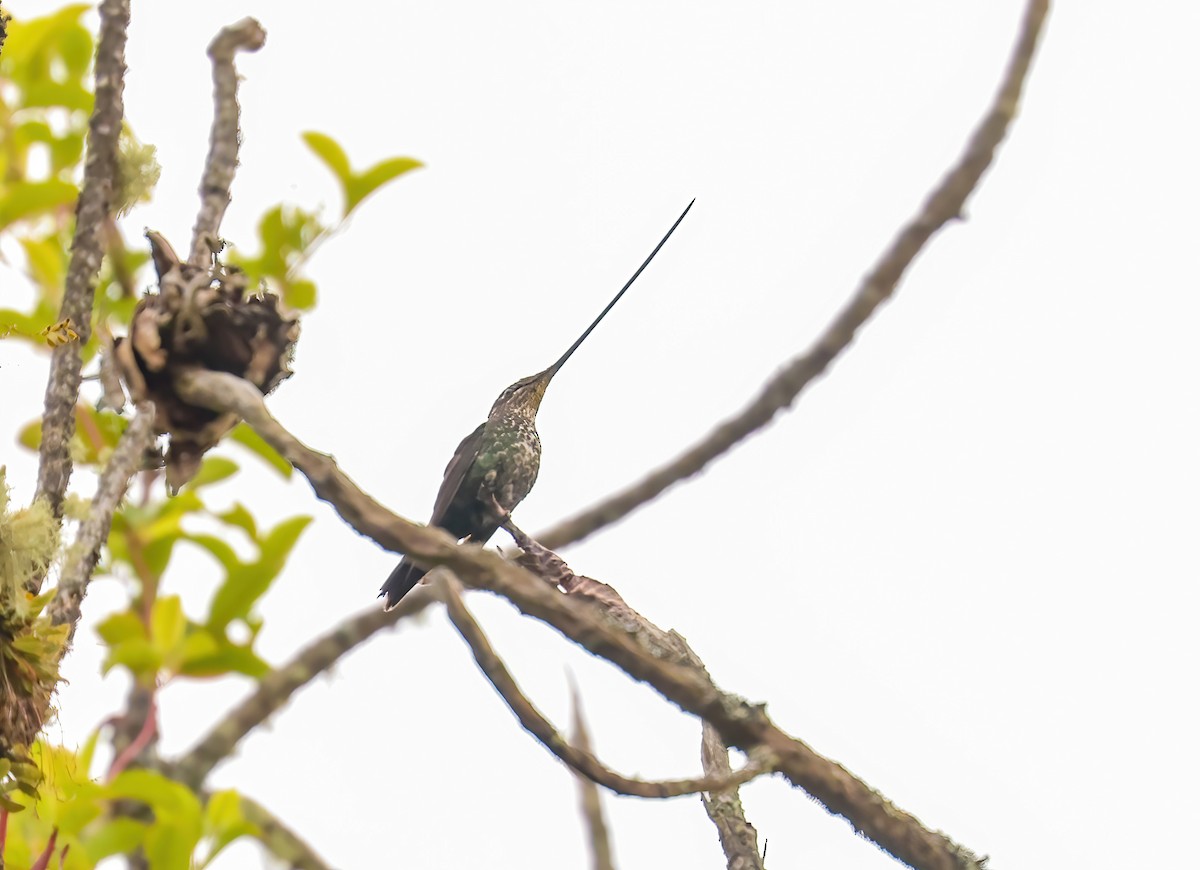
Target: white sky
{"points": [[964, 565]]}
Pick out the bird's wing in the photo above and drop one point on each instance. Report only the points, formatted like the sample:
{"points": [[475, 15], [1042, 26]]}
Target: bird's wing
{"points": [[455, 474]]}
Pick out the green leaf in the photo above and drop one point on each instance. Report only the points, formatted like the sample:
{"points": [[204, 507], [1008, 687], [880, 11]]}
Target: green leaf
{"points": [[115, 837], [219, 550], [213, 469], [167, 624], [229, 658], [239, 516], [331, 154], [120, 627], [253, 442], [47, 263], [198, 646], [300, 294], [23, 199], [224, 822], [169, 847], [74, 815], [138, 655], [363, 185], [278, 543], [160, 793]]}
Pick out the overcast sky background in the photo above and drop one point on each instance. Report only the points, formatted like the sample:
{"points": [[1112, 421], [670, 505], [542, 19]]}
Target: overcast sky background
{"points": [[964, 565]]}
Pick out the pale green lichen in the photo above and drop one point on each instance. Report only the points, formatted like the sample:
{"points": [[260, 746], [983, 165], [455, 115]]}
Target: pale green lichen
{"points": [[28, 546], [137, 172]]}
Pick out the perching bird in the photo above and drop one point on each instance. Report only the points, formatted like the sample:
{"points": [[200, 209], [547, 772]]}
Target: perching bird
{"points": [[496, 466]]}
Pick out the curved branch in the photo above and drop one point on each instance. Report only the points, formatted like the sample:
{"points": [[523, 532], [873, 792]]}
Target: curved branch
{"points": [[741, 724], [274, 690], [942, 206], [95, 201], [222, 160], [577, 758]]}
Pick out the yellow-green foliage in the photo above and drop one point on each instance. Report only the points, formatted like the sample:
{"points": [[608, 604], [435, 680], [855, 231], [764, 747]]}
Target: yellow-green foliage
{"points": [[30, 646], [28, 545]]}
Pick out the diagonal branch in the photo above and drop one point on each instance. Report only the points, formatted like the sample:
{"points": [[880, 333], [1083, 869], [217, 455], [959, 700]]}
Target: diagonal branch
{"points": [[95, 201], [222, 161], [280, 840], [575, 757], [93, 532], [274, 690], [943, 205]]}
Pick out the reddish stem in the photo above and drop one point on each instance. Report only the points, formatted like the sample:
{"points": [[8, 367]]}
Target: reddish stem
{"points": [[135, 747]]}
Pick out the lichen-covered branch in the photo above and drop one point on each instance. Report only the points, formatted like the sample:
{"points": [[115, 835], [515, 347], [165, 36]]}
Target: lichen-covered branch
{"points": [[280, 840], [575, 757], [273, 691], [943, 205], [93, 532], [95, 201], [741, 724], [222, 161]]}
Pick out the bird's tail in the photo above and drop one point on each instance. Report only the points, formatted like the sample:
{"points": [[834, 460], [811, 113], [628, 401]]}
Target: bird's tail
{"points": [[400, 582]]}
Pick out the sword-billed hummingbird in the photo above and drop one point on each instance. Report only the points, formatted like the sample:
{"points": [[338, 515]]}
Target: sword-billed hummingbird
{"points": [[495, 466]]}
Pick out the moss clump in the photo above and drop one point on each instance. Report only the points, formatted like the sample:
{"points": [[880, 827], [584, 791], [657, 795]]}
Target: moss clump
{"points": [[30, 646]]}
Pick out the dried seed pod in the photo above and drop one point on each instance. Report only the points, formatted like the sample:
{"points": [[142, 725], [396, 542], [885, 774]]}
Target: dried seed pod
{"points": [[201, 318]]}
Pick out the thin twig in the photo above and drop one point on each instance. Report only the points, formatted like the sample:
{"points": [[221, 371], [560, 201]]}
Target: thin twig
{"points": [[144, 737], [943, 205], [274, 690], [739, 840], [222, 161], [95, 200], [93, 532], [577, 758], [589, 795], [741, 724]]}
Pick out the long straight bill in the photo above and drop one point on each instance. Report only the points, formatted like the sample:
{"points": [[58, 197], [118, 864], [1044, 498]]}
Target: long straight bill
{"points": [[607, 308]]}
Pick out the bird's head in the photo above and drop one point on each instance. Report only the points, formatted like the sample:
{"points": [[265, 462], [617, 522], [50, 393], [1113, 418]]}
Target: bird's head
{"points": [[525, 396]]}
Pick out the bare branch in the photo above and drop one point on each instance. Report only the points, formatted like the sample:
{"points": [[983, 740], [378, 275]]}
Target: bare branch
{"points": [[280, 840], [93, 532], [274, 690], [222, 161], [95, 201], [589, 795], [739, 840], [741, 724], [577, 758], [942, 206]]}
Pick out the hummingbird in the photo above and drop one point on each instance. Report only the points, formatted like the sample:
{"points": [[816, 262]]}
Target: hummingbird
{"points": [[495, 467]]}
